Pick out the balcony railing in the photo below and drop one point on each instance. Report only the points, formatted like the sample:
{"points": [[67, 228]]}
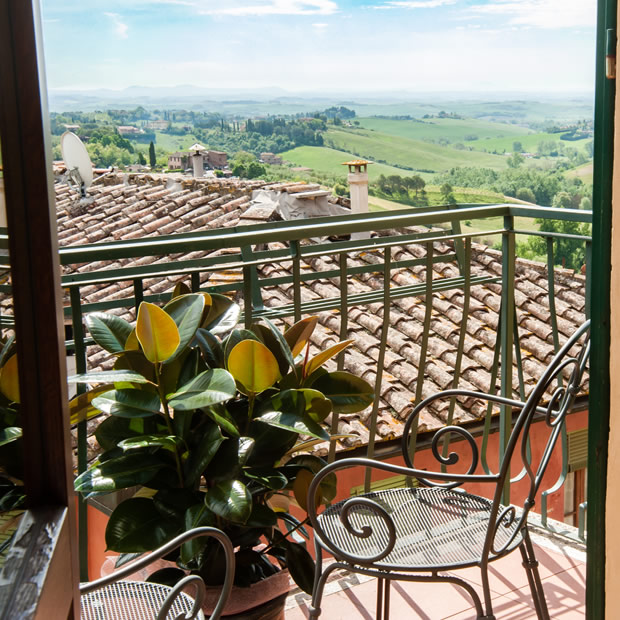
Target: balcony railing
{"points": [[285, 270]]}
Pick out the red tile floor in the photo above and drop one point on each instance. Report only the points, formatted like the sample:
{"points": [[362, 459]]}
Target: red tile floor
{"points": [[562, 569]]}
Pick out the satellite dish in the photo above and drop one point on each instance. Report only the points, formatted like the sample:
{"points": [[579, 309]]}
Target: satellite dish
{"points": [[77, 160]]}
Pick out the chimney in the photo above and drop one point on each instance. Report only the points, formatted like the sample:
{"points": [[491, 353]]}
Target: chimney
{"points": [[358, 188], [196, 153]]}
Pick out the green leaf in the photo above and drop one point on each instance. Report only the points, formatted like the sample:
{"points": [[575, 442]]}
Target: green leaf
{"points": [[223, 315], [261, 516], [136, 526], [110, 332], [128, 403], [302, 402], [208, 388], [230, 500], [220, 415], [196, 516], [157, 333], [211, 349], [109, 376], [271, 445], [113, 429], [7, 349], [168, 442], [136, 362], [246, 445], [202, 454], [10, 434], [301, 565], [348, 393], [268, 478], [119, 473], [186, 311], [293, 422]]}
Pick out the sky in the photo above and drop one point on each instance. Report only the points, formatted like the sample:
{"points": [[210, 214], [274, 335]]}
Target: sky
{"points": [[335, 46]]}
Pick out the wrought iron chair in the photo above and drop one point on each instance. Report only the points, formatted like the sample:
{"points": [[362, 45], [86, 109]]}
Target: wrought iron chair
{"points": [[413, 534], [112, 598]]}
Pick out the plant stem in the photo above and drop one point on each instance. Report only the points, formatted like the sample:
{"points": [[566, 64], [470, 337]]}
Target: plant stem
{"points": [[168, 418], [301, 524]]}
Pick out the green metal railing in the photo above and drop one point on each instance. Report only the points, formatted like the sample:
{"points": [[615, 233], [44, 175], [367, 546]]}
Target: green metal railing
{"points": [[244, 268]]}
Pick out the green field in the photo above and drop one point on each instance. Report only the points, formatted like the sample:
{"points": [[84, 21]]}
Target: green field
{"points": [[491, 137], [585, 172], [453, 129], [172, 143], [326, 160], [403, 151]]}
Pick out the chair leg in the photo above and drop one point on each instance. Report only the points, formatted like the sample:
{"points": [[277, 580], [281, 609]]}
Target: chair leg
{"points": [[320, 579], [486, 590], [530, 563], [380, 590], [383, 599]]}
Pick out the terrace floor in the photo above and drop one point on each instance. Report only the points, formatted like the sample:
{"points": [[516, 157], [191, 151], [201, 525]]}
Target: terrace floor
{"points": [[562, 569]]}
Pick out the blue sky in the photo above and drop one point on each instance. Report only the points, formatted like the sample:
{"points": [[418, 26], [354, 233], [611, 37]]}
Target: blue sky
{"points": [[323, 45]]}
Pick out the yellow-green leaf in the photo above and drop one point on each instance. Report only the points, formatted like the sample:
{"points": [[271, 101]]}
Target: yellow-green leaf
{"points": [[253, 366], [132, 343], [157, 333], [317, 361], [9, 380], [298, 335], [180, 288]]}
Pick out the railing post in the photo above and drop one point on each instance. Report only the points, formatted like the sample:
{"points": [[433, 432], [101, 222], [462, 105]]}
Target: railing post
{"points": [[252, 299], [507, 327], [387, 300], [80, 368]]}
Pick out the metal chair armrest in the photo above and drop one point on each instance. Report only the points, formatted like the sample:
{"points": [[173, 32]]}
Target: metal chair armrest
{"points": [[164, 550], [419, 474], [492, 398]]}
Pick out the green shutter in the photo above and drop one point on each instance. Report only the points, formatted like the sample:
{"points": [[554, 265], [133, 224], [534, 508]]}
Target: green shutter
{"points": [[395, 482], [578, 449]]}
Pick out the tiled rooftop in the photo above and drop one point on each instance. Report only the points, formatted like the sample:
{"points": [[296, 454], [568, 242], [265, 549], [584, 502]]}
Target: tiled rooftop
{"points": [[135, 206]]}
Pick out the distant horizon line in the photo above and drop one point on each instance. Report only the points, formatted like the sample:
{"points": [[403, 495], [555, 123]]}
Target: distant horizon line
{"points": [[323, 92]]}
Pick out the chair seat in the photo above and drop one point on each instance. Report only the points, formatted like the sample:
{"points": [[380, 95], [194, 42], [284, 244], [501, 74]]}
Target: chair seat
{"points": [[435, 528], [133, 600]]}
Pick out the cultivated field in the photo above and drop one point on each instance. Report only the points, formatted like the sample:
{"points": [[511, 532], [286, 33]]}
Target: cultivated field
{"points": [[403, 151], [329, 161]]}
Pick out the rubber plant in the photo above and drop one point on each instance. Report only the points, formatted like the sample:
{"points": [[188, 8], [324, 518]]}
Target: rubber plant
{"points": [[212, 424], [12, 494]]}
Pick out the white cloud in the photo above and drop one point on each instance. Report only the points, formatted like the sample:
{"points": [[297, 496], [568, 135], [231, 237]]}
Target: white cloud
{"points": [[320, 27], [120, 27], [414, 4], [542, 13], [273, 7]]}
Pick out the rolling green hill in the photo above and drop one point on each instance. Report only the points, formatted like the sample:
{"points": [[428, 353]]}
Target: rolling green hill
{"points": [[323, 159], [490, 137], [455, 130], [402, 151]]}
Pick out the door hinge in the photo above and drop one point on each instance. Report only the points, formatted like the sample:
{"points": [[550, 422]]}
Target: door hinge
{"points": [[610, 54]]}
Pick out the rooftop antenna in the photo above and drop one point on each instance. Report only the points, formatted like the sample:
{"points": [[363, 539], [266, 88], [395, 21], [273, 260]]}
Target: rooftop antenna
{"points": [[77, 161]]}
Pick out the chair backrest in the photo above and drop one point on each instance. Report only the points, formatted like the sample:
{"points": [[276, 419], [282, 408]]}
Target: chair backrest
{"points": [[552, 399]]}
